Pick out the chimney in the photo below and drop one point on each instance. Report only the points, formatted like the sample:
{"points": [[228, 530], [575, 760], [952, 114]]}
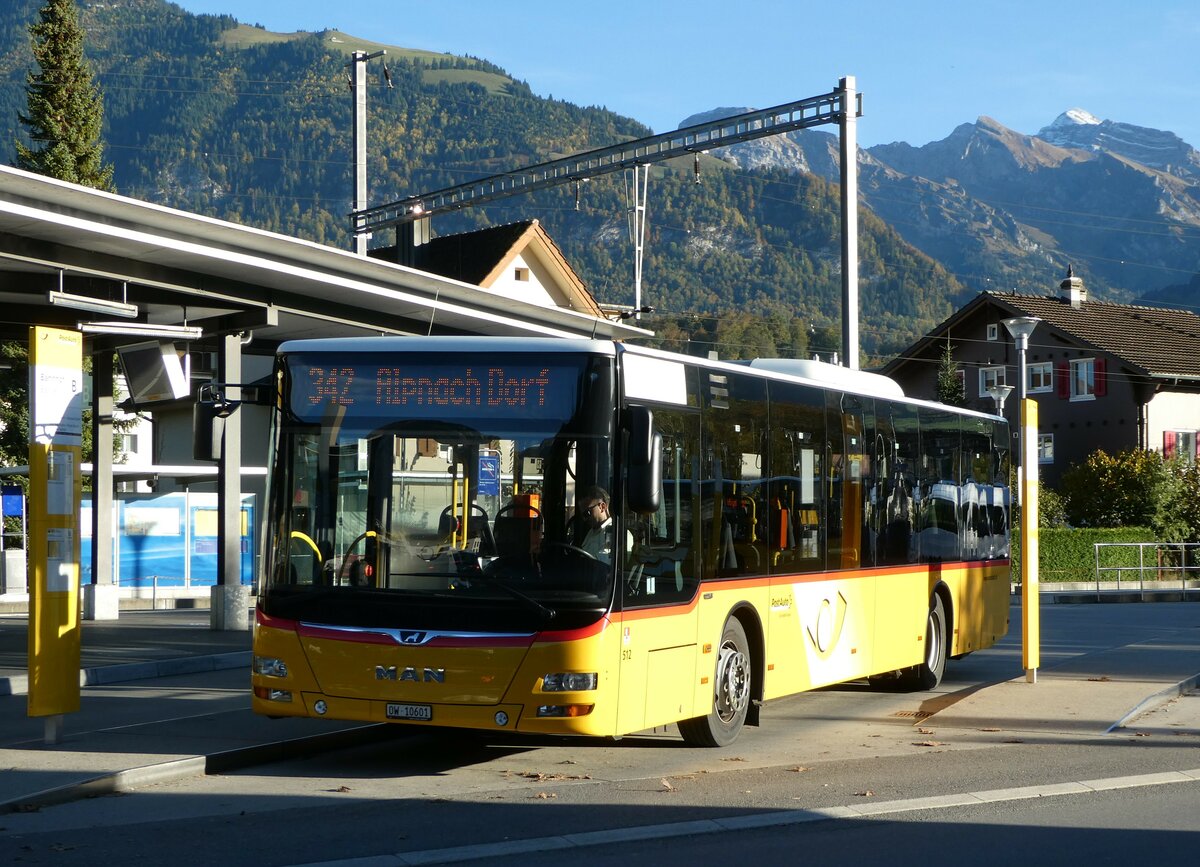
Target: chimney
{"points": [[1072, 289]]}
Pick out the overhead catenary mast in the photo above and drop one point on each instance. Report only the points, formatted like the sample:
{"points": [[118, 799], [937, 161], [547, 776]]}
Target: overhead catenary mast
{"points": [[358, 86], [841, 106]]}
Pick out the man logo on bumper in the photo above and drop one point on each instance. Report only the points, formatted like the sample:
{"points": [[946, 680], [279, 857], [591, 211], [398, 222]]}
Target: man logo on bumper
{"points": [[425, 675]]}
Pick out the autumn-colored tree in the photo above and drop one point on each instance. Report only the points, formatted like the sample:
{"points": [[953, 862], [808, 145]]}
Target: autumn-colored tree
{"points": [[1128, 489]]}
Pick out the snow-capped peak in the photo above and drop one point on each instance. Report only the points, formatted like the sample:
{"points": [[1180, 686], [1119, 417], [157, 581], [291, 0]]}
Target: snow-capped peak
{"points": [[1075, 117]]}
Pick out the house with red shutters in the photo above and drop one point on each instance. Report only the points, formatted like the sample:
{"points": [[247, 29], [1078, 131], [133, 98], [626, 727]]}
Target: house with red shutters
{"points": [[1105, 375]]}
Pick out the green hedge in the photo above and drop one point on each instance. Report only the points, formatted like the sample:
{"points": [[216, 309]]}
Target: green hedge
{"points": [[1069, 554]]}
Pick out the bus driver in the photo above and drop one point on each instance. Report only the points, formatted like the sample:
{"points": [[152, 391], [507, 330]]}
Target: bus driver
{"points": [[598, 541]]}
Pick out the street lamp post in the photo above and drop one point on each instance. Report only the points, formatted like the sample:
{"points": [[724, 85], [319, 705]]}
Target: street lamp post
{"points": [[1020, 327]]}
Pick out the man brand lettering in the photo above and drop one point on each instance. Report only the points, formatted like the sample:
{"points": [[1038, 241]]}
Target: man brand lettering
{"points": [[425, 675]]}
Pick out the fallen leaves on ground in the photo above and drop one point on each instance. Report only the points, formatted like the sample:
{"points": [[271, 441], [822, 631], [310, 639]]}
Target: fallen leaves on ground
{"points": [[542, 777]]}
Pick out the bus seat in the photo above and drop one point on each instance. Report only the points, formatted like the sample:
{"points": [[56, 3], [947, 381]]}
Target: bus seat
{"points": [[479, 529], [514, 534]]}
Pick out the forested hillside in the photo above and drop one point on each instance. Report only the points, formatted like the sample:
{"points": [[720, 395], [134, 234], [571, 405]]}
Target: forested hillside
{"points": [[227, 120]]}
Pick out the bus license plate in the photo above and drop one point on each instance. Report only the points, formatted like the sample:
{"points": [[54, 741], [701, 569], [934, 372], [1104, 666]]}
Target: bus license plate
{"points": [[409, 711]]}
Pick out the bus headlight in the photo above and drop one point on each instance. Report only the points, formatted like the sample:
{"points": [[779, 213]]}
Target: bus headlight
{"points": [[568, 682], [270, 666]]}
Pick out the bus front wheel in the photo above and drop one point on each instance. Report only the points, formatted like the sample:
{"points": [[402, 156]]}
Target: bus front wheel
{"points": [[929, 673], [731, 693]]}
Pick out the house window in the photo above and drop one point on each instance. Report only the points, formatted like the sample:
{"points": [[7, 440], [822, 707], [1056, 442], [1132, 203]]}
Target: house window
{"points": [[989, 376], [521, 275], [993, 332], [1045, 448], [1180, 444], [1041, 377], [1083, 379], [127, 444]]}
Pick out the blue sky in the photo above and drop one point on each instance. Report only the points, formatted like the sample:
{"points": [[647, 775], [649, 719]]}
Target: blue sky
{"points": [[924, 67]]}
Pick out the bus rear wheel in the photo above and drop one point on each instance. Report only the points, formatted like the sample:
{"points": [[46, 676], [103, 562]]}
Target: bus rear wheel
{"points": [[731, 693]]}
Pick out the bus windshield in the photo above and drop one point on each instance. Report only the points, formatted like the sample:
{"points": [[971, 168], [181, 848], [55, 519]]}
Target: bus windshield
{"points": [[448, 490]]}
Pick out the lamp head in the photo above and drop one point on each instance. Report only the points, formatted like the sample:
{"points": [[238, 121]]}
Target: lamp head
{"points": [[1021, 326], [999, 394]]}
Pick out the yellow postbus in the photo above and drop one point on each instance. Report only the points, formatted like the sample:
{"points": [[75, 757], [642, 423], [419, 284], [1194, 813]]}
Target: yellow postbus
{"points": [[580, 537]]}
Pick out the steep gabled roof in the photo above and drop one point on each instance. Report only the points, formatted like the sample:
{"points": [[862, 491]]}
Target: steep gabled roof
{"points": [[481, 256], [472, 256], [1161, 341]]}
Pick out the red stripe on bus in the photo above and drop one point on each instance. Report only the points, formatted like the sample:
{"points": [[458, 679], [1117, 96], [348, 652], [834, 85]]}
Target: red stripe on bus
{"points": [[750, 583], [264, 619], [576, 634]]}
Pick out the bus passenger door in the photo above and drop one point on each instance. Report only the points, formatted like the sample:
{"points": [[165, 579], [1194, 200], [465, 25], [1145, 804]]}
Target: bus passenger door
{"points": [[659, 577]]}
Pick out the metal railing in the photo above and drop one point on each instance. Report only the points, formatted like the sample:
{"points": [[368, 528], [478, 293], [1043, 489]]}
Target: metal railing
{"points": [[1170, 566]]}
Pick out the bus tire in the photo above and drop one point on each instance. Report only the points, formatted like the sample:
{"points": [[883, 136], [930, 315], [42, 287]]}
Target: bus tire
{"points": [[929, 673], [731, 693]]}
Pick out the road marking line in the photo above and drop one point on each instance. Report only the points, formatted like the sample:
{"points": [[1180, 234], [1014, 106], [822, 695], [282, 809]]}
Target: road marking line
{"points": [[756, 820]]}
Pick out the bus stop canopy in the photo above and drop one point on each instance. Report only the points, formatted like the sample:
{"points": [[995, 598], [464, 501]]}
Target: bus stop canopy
{"points": [[184, 269]]}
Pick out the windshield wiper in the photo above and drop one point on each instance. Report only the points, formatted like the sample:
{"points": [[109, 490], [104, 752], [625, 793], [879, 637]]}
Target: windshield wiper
{"points": [[547, 612]]}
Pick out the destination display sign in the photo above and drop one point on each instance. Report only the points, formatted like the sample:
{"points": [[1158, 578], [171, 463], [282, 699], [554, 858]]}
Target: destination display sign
{"points": [[417, 388]]}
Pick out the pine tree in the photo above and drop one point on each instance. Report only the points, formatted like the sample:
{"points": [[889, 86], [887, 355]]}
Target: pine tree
{"points": [[949, 386], [66, 109]]}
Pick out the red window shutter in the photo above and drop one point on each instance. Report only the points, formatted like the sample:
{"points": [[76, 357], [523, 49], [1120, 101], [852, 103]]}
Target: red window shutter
{"points": [[1062, 376], [1168, 444], [1101, 378]]}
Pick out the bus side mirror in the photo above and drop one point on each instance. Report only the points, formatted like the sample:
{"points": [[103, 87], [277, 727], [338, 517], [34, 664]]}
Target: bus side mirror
{"points": [[644, 466]]}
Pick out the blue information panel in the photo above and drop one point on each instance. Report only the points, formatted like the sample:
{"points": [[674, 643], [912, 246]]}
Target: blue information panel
{"points": [[12, 501], [489, 475]]}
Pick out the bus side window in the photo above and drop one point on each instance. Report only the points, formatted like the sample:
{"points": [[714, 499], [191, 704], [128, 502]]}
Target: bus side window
{"points": [[797, 489], [733, 496]]}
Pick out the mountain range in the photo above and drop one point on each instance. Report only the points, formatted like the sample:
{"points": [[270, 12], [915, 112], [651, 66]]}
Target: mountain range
{"points": [[1004, 210], [213, 116]]}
